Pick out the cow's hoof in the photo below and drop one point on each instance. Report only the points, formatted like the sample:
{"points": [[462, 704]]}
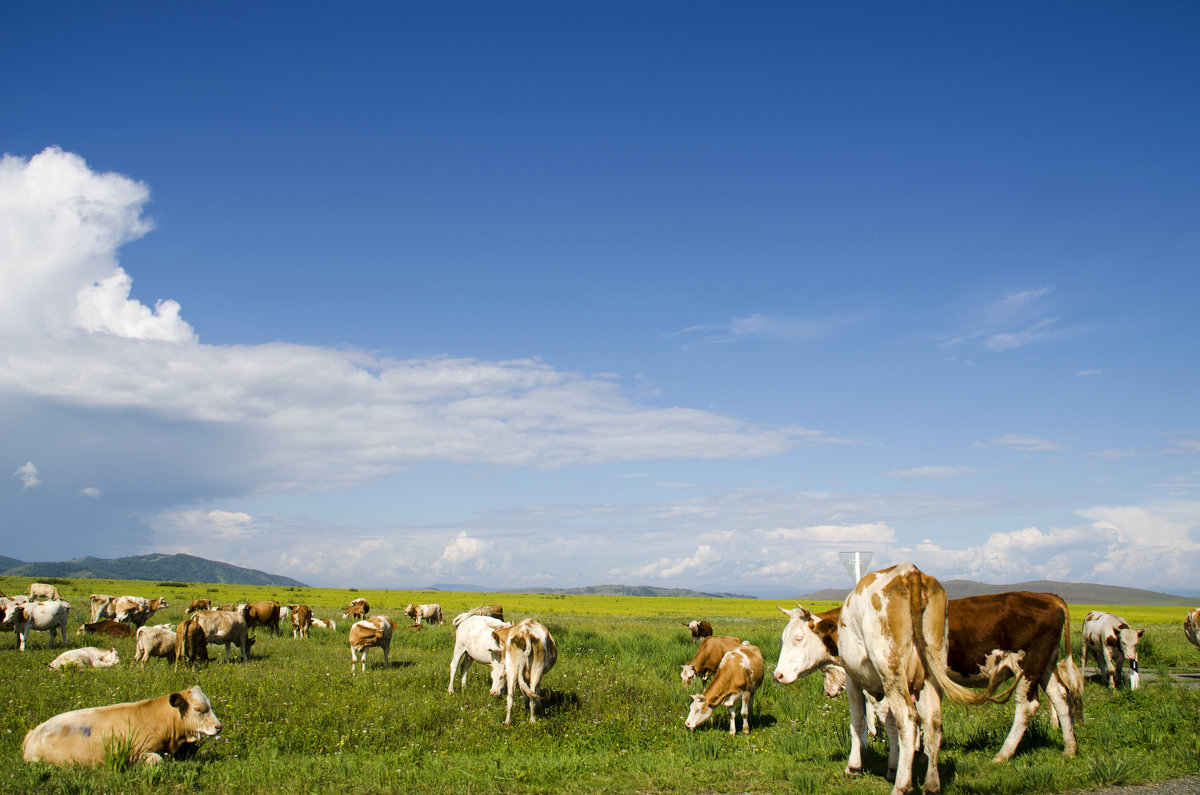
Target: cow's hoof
{"points": [[852, 771]]}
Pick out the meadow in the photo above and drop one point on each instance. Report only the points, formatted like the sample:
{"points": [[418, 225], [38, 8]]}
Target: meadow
{"points": [[296, 720]]}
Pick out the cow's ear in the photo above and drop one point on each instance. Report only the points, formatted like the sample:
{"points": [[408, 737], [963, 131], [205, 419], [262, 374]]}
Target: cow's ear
{"points": [[1140, 631], [179, 701]]}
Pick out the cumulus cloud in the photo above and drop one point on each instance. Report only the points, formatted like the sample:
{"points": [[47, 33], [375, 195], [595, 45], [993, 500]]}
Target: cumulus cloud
{"points": [[698, 563], [463, 550], [931, 472], [28, 475]]}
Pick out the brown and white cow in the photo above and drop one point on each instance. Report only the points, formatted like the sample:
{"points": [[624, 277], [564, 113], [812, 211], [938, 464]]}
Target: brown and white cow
{"points": [[529, 653], [700, 629], [199, 604], [1109, 640], [86, 657], [191, 644], [263, 614], [1191, 627], [358, 609], [102, 606], [109, 627], [168, 725], [374, 632], [429, 614], [323, 623], [154, 642], [137, 610], [892, 642], [301, 620], [492, 611], [26, 617], [475, 641], [43, 590], [708, 657], [226, 627], [738, 677]]}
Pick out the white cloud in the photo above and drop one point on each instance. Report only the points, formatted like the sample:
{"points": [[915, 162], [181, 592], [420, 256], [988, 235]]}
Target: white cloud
{"points": [[28, 474], [1028, 443], [931, 472], [1096, 371], [1023, 297], [464, 549], [90, 491], [759, 326], [207, 525], [698, 563], [1041, 331]]}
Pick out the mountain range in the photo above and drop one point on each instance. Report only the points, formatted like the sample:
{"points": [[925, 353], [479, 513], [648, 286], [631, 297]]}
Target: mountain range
{"points": [[178, 568]]}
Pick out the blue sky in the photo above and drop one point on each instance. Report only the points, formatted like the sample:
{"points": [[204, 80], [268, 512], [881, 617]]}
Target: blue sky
{"points": [[682, 294]]}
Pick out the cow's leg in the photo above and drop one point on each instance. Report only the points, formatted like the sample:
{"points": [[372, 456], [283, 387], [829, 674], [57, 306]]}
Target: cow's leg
{"points": [[1022, 714], [893, 740], [226, 652], [1060, 708], [1118, 667], [508, 708], [906, 731], [456, 660], [929, 708], [747, 710], [858, 722], [386, 648]]}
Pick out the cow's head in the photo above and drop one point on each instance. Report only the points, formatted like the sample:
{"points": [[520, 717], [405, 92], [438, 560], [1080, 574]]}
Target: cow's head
{"points": [[196, 713], [699, 712], [687, 674], [835, 680], [1123, 642], [110, 657], [807, 643]]}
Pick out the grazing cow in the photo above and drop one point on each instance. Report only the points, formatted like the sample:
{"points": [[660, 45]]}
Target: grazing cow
{"points": [[43, 616], [199, 604], [892, 641], [375, 631], [325, 623], [529, 653], [137, 610], [1191, 627], [491, 611], [191, 644], [700, 629], [87, 657], [37, 589], [102, 606], [708, 657], [114, 629], [226, 627], [738, 676], [263, 614], [167, 725], [358, 609], [475, 641], [1112, 643], [430, 614], [154, 642], [301, 620]]}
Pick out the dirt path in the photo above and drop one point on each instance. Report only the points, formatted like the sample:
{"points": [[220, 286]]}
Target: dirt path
{"points": [[1180, 786]]}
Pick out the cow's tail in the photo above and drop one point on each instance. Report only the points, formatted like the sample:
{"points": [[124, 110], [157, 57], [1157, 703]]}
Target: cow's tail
{"points": [[935, 663], [1070, 676]]}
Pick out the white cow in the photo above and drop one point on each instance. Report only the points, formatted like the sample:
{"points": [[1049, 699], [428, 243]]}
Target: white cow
{"points": [[154, 642], [429, 614], [529, 653], [43, 590], [325, 623], [1112, 643], [475, 640], [87, 657], [43, 616]]}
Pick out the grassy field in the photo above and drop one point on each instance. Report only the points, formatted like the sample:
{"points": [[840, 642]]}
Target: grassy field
{"points": [[296, 720]]}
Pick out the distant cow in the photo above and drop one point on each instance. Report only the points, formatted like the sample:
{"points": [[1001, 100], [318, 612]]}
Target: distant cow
{"points": [[324, 623], [37, 589], [700, 629], [41, 616], [168, 725], [263, 614], [137, 610], [226, 627], [708, 657], [154, 642], [738, 677], [430, 614], [529, 653], [199, 604], [475, 641], [1191, 627], [114, 629], [301, 620], [102, 606], [87, 657], [1112, 643], [491, 611], [191, 644], [358, 609], [374, 632]]}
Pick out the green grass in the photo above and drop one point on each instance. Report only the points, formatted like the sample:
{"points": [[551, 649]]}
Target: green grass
{"points": [[296, 720]]}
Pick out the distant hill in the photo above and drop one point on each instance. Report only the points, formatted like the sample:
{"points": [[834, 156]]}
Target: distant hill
{"points": [[629, 590], [8, 563], [1072, 592], [179, 568]]}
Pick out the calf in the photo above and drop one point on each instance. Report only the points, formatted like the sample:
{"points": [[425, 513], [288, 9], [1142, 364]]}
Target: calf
{"points": [[430, 614], [154, 642], [301, 620], [1112, 643], [199, 604], [168, 725], [41, 616], [700, 629], [114, 629], [475, 641], [1191, 627], [102, 606], [371, 632], [87, 657], [226, 627], [492, 611], [191, 644], [737, 678], [529, 653], [37, 589], [358, 609], [708, 657]]}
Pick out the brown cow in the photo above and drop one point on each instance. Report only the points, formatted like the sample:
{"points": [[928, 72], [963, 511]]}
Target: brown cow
{"points": [[114, 629], [301, 620], [263, 614], [700, 629], [358, 609], [529, 653], [738, 677], [708, 657], [168, 725], [191, 644], [199, 604]]}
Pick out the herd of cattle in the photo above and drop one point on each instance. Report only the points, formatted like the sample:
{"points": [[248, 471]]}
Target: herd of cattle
{"points": [[897, 646]]}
